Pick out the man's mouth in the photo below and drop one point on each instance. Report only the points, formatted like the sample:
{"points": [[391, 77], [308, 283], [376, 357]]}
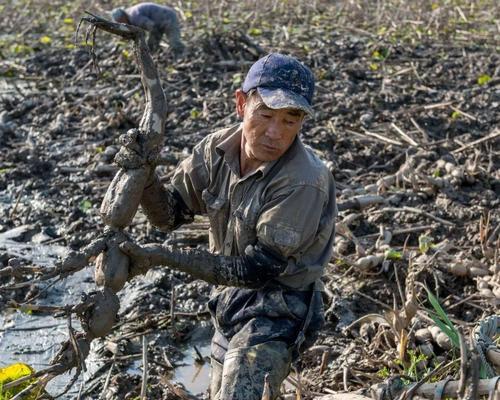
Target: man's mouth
{"points": [[270, 148]]}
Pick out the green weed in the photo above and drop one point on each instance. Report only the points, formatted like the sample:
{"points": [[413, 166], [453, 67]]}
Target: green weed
{"points": [[411, 368], [442, 320], [425, 243], [483, 79], [85, 205]]}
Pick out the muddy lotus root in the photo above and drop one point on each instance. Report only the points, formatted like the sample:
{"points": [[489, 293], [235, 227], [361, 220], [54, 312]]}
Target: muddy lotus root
{"points": [[440, 338], [104, 311], [111, 268], [123, 197]]}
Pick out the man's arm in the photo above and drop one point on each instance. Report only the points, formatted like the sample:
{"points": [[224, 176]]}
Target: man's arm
{"points": [[143, 22], [258, 266], [164, 206]]}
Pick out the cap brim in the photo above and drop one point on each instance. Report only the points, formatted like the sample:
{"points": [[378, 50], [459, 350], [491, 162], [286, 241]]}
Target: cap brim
{"points": [[281, 98], [118, 13]]}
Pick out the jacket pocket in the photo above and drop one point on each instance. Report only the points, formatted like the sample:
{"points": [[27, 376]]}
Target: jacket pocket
{"points": [[245, 221], [216, 207]]}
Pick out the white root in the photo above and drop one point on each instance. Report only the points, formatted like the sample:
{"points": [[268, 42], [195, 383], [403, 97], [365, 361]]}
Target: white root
{"points": [[440, 338], [368, 262], [423, 335]]}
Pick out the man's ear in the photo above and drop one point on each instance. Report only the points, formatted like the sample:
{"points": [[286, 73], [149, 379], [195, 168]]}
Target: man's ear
{"points": [[241, 100]]}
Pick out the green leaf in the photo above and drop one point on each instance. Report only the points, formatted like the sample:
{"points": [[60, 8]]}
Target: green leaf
{"points": [[255, 32], [11, 373], [424, 243], [483, 79], [394, 255], [45, 40], [384, 373], [377, 56], [237, 79], [68, 21], [382, 30], [441, 319], [194, 113], [27, 311], [380, 54], [20, 49], [85, 205]]}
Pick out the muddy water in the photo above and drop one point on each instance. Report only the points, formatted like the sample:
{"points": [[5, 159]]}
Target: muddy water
{"points": [[34, 339], [194, 376]]}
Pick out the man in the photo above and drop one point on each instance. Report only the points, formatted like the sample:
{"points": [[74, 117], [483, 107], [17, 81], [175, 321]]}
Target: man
{"points": [[271, 206], [155, 19]]}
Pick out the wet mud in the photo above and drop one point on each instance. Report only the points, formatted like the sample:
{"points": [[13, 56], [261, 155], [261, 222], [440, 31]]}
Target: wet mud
{"points": [[407, 112]]}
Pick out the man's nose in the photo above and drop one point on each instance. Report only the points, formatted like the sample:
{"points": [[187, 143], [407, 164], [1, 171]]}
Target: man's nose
{"points": [[273, 130]]}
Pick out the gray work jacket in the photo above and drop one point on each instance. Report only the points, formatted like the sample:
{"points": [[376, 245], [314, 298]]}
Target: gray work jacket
{"points": [[287, 205]]}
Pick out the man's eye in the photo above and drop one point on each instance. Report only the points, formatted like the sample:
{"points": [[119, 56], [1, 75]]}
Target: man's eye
{"points": [[265, 115]]}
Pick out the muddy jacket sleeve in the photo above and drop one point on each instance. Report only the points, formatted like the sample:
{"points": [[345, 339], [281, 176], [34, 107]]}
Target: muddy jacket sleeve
{"points": [[258, 266], [191, 177], [298, 222], [177, 203], [164, 206]]}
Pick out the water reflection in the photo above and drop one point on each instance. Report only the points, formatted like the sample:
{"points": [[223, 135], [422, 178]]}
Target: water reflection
{"points": [[193, 375]]}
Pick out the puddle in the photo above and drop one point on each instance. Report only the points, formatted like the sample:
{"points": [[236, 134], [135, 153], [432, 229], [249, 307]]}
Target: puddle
{"points": [[34, 339], [194, 376]]}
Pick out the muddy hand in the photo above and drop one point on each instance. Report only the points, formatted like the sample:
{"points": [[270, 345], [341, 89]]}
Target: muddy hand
{"points": [[141, 258], [132, 154]]}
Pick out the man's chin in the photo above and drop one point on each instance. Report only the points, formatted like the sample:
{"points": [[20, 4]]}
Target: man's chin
{"points": [[266, 157], [270, 154]]}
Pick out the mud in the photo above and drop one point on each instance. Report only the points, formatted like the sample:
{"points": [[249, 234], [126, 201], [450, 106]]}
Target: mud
{"points": [[407, 109]]}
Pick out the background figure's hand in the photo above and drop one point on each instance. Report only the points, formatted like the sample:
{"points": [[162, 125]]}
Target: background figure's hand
{"points": [[141, 258]]}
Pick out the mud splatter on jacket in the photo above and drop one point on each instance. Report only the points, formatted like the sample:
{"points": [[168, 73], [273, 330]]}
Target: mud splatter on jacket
{"points": [[287, 205]]}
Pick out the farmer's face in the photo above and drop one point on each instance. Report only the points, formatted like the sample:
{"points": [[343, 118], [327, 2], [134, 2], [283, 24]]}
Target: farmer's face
{"points": [[122, 19], [267, 133]]}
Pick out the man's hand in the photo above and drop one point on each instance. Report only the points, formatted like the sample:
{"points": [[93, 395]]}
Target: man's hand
{"points": [[141, 258], [131, 154]]}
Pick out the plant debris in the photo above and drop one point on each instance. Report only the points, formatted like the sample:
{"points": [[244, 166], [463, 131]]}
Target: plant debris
{"points": [[407, 119]]}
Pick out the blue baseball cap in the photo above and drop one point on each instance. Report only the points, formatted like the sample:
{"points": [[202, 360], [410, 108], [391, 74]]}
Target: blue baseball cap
{"points": [[282, 82], [118, 13]]}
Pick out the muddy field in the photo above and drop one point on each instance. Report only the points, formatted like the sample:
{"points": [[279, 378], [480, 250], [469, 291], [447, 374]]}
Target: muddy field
{"points": [[407, 119]]}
